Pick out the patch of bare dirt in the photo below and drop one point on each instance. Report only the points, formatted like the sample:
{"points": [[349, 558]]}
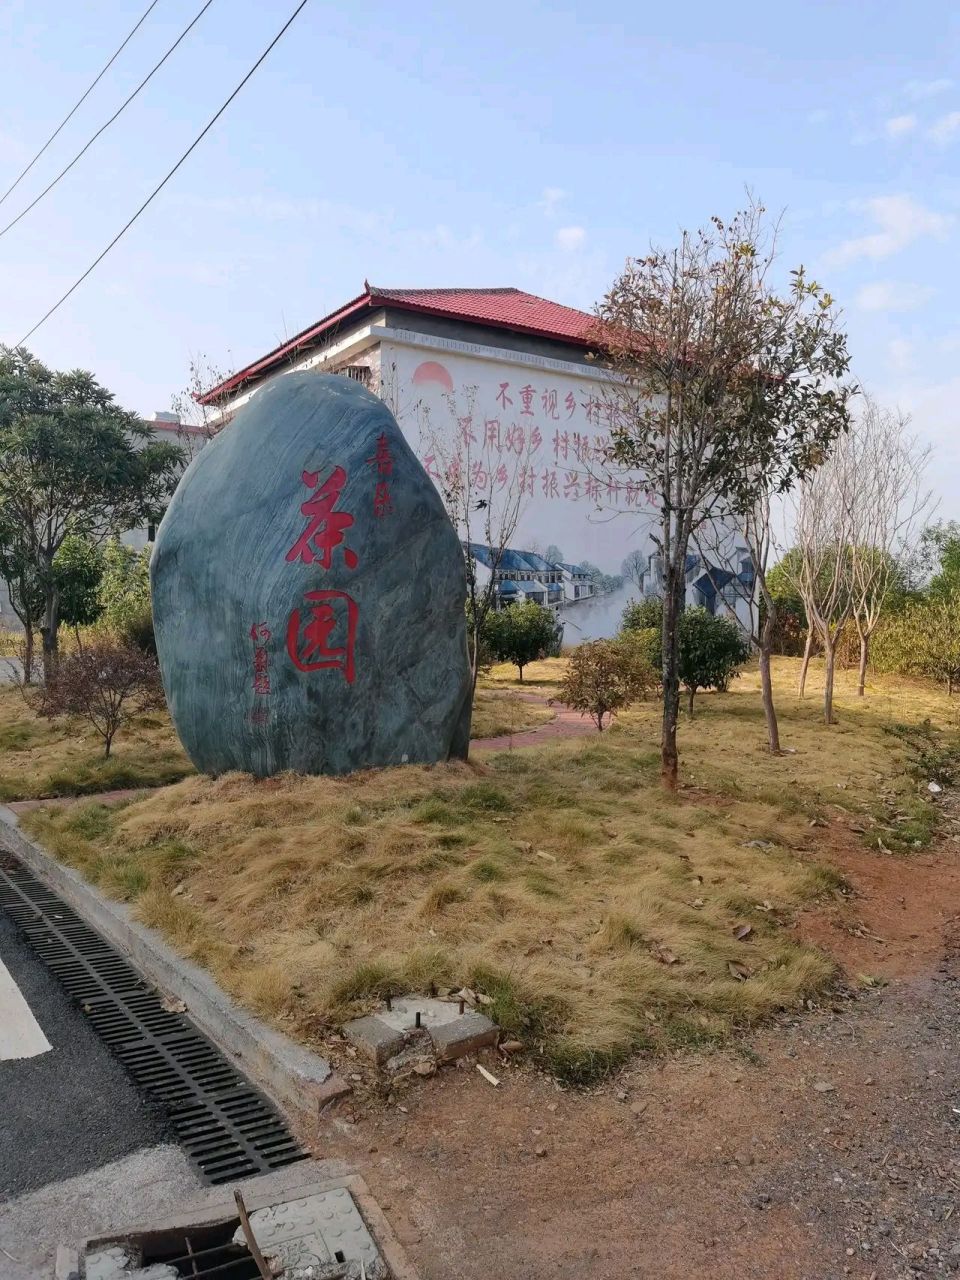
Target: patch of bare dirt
{"points": [[825, 1146]]}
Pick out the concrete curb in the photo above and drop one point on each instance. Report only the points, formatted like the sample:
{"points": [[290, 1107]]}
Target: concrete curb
{"points": [[293, 1076]]}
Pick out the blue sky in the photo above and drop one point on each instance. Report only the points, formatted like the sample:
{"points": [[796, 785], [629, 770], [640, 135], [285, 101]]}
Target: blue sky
{"points": [[523, 143]]}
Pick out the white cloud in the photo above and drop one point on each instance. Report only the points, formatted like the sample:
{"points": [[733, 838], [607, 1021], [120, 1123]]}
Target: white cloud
{"points": [[946, 128], [900, 352], [900, 126], [550, 199], [570, 239], [920, 89], [900, 220], [888, 295]]}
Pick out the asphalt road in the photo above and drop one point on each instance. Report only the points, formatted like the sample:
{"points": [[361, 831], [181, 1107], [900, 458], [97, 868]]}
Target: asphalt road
{"points": [[71, 1108], [80, 1151]]}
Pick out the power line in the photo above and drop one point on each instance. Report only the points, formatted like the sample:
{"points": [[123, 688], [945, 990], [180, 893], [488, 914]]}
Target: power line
{"points": [[79, 101], [83, 150], [157, 189]]}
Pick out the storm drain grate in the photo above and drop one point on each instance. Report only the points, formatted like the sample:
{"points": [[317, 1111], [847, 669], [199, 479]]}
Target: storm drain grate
{"points": [[228, 1129]]}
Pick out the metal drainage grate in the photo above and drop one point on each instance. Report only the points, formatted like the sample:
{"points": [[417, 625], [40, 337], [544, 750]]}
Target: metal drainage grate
{"points": [[228, 1129]]}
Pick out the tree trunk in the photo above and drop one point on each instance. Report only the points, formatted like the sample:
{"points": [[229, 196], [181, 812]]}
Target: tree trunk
{"points": [[830, 659], [690, 693], [50, 628], [864, 659], [669, 757], [520, 669], [766, 684], [950, 685], [28, 656], [805, 665]]}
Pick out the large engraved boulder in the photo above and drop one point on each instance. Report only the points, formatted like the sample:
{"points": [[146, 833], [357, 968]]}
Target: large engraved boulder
{"points": [[308, 592]]}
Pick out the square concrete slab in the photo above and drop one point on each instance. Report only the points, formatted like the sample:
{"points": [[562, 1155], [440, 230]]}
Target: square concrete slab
{"points": [[437, 1024], [312, 1235]]}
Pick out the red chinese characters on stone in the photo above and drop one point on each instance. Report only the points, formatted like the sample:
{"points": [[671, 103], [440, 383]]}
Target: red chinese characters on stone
{"points": [[323, 632], [383, 461], [260, 635], [325, 526]]}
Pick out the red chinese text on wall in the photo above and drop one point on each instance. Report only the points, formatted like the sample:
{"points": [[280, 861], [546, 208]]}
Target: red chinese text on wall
{"points": [[322, 633]]}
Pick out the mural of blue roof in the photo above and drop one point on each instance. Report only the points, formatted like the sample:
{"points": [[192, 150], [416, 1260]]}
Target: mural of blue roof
{"points": [[575, 569], [508, 588], [537, 563]]}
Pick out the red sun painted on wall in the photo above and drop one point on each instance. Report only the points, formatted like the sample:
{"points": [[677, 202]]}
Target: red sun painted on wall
{"points": [[432, 371]]}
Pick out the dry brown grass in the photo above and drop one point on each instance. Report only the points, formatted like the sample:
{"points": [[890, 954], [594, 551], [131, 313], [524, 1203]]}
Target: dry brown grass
{"points": [[599, 913], [498, 711], [40, 757]]}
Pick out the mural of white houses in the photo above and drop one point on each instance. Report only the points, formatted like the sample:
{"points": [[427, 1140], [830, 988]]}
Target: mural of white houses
{"points": [[526, 575]]}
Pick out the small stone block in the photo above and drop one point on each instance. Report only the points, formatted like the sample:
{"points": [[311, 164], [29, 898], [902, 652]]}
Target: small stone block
{"points": [[466, 1033], [374, 1038]]}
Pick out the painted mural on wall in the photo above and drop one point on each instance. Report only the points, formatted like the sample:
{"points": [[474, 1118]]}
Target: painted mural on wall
{"points": [[308, 592], [499, 429]]}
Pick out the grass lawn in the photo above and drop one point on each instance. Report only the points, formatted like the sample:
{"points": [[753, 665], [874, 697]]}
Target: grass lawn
{"points": [[601, 915], [497, 711], [40, 757]]}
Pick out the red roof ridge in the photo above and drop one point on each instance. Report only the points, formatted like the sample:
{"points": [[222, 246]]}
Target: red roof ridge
{"points": [[498, 307]]}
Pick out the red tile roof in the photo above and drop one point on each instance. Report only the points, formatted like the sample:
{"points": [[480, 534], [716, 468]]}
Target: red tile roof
{"points": [[502, 308]]}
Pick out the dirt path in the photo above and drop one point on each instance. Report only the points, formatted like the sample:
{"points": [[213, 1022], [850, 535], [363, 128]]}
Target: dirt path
{"points": [[826, 1146], [566, 723]]}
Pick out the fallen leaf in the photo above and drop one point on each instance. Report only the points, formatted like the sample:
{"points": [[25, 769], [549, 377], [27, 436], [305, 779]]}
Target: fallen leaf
{"points": [[548, 856], [169, 1005], [823, 1086], [663, 954], [738, 971], [742, 932], [511, 1046]]}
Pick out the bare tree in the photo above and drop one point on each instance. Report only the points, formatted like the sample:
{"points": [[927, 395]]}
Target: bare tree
{"points": [[825, 529], [484, 490], [890, 503], [107, 684], [725, 390], [634, 568], [199, 421], [755, 528]]}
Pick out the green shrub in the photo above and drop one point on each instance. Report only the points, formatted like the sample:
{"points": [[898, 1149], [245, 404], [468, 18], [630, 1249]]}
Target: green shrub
{"points": [[711, 651], [124, 595], [522, 633], [606, 675], [643, 615]]}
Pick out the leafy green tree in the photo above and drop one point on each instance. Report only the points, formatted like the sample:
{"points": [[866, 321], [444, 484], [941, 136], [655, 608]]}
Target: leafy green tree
{"points": [[124, 594], [606, 675], [939, 555], [78, 568], [71, 462], [711, 652], [521, 633], [26, 599]]}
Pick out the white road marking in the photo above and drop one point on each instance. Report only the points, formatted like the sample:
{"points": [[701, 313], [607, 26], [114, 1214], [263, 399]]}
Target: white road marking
{"points": [[20, 1033]]}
